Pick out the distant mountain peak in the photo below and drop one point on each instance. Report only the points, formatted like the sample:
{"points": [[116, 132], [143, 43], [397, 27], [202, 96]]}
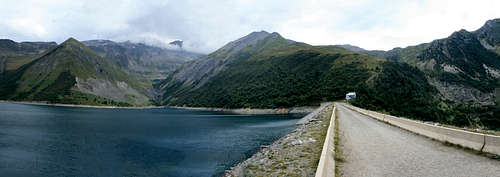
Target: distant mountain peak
{"points": [[98, 42], [259, 32], [489, 33], [7, 43], [68, 46], [262, 34], [490, 25], [7, 40], [176, 43], [255, 35], [461, 34], [352, 48], [27, 50], [251, 40], [71, 41], [492, 21]]}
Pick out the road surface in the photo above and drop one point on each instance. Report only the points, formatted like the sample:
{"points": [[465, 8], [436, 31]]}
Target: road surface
{"points": [[372, 148]]}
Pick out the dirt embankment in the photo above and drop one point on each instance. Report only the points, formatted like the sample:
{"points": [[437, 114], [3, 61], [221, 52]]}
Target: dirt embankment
{"points": [[296, 154]]}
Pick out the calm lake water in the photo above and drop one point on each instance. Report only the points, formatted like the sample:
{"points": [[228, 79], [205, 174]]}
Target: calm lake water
{"points": [[66, 141]]}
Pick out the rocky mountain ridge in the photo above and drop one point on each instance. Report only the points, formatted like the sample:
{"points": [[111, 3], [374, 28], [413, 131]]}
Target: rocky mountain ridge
{"points": [[464, 67], [72, 73], [15, 54], [149, 61], [196, 73]]}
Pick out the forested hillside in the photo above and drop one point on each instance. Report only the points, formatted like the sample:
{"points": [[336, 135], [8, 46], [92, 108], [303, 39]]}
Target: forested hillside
{"points": [[287, 74], [464, 67]]}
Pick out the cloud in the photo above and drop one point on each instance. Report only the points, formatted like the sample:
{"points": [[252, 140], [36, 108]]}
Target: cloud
{"points": [[387, 24], [205, 26]]}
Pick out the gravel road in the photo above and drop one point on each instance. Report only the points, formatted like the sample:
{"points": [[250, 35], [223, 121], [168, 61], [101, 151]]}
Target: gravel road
{"points": [[373, 148]]}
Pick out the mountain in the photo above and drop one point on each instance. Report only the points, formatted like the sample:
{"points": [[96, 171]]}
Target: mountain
{"points": [[196, 73], [352, 48], [265, 70], [15, 54], [145, 60], [489, 35], [177, 43], [464, 67], [72, 73]]}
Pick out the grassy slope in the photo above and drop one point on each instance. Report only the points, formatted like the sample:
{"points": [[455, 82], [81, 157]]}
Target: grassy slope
{"points": [[51, 77], [16, 62], [401, 90], [299, 74], [19, 54], [172, 89], [295, 75], [60, 92], [463, 50]]}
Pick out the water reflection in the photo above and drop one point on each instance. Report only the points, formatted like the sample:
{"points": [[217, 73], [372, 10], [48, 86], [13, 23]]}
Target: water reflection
{"points": [[66, 141]]}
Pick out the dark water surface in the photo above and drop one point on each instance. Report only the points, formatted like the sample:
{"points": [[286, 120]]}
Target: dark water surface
{"points": [[66, 141]]}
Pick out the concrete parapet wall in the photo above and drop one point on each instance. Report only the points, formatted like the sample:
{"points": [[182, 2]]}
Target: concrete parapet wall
{"points": [[477, 141], [326, 166], [492, 144]]}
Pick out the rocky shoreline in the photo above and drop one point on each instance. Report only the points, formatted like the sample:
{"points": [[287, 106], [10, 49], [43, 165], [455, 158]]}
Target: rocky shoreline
{"points": [[295, 154], [294, 110]]}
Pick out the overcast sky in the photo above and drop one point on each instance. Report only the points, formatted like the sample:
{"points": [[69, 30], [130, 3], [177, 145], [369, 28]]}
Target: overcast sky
{"points": [[206, 25]]}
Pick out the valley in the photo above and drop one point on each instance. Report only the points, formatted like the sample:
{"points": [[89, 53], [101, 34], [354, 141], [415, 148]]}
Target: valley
{"points": [[249, 88], [72, 73], [451, 79]]}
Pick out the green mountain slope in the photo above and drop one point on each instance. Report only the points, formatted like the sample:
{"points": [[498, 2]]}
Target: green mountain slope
{"points": [[295, 78], [489, 35], [15, 54], [464, 67], [403, 90], [72, 73], [150, 62], [284, 73], [287, 73], [196, 73]]}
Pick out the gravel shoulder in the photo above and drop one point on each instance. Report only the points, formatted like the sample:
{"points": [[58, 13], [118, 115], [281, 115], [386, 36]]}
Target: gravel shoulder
{"points": [[296, 154], [372, 148]]}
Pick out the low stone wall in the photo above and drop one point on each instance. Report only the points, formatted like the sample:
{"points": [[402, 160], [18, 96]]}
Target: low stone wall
{"points": [[326, 166], [477, 141]]}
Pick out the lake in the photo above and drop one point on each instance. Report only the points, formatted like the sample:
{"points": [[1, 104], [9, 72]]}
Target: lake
{"points": [[69, 141]]}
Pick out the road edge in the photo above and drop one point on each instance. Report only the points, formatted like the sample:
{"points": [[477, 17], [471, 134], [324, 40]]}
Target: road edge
{"points": [[476, 141], [326, 166]]}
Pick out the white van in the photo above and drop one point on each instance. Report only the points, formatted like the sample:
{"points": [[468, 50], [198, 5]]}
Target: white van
{"points": [[350, 95]]}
